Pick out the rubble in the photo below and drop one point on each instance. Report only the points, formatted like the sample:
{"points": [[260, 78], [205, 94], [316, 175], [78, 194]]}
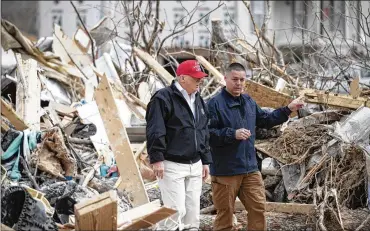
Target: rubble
{"points": [[76, 133]]}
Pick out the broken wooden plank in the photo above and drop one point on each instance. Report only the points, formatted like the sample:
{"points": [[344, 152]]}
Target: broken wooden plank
{"points": [[219, 77], [98, 213], [151, 219], [67, 49], [132, 181], [266, 96], [336, 100], [140, 211], [277, 207], [6, 228], [291, 208], [28, 91], [11, 115], [63, 109], [152, 63]]}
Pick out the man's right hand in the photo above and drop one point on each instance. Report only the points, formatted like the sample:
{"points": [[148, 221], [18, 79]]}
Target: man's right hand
{"points": [[158, 169], [242, 134]]}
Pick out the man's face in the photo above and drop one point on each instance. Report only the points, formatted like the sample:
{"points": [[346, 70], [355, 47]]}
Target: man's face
{"points": [[190, 84], [235, 82]]}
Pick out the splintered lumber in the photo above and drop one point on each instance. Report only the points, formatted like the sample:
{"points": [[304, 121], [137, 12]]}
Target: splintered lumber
{"points": [[151, 219], [290, 208], [219, 77], [266, 96], [140, 211], [63, 109], [331, 99], [6, 228], [152, 63], [98, 213], [28, 91], [131, 180], [11, 115]]}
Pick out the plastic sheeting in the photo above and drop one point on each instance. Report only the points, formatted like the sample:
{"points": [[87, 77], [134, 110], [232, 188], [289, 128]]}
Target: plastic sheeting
{"points": [[355, 128], [54, 91]]}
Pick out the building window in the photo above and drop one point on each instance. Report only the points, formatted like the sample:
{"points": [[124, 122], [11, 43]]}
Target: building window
{"points": [[83, 14], [57, 17], [258, 12], [299, 14]]}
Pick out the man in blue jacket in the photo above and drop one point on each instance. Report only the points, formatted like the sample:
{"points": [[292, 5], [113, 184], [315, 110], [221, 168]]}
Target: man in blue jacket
{"points": [[234, 171], [177, 143]]}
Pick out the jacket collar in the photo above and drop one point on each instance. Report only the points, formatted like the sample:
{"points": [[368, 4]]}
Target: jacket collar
{"points": [[176, 91], [231, 100]]}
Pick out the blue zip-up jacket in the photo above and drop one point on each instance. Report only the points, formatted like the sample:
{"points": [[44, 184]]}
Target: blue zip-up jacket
{"points": [[227, 114]]}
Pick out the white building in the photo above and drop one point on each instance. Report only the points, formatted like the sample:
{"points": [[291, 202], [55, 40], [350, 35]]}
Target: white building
{"points": [[63, 14], [337, 17]]}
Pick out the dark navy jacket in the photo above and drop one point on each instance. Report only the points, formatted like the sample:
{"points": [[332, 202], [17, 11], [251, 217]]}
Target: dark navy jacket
{"points": [[227, 114], [172, 131]]}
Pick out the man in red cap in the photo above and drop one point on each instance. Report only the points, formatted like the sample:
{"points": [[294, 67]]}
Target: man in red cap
{"points": [[177, 143]]}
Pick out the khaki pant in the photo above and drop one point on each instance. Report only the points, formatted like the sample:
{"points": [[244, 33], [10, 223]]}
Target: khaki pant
{"points": [[251, 192]]}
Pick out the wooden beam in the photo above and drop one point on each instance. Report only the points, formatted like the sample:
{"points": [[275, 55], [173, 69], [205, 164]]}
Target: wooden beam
{"points": [[331, 99], [140, 211], [266, 96], [98, 213], [11, 115], [62, 109], [6, 228], [291, 208], [152, 63], [28, 91], [276, 207], [219, 77], [150, 219], [132, 181]]}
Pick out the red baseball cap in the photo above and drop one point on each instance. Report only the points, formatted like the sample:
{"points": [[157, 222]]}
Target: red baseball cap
{"points": [[191, 68]]}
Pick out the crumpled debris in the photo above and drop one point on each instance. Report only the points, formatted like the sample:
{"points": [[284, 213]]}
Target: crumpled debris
{"points": [[22, 144], [84, 130], [8, 138], [62, 189], [154, 194], [54, 157], [206, 196], [22, 212]]}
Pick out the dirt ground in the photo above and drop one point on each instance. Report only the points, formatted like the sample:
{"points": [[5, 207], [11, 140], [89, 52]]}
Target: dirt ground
{"points": [[292, 222]]}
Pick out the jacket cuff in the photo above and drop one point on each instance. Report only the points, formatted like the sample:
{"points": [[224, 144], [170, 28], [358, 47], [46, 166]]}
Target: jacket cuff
{"points": [[156, 157], [230, 135], [206, 158], [286, 110]]}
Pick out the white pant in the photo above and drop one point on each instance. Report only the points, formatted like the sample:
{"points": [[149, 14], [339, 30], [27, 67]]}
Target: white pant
{"points": [[181, 187]]}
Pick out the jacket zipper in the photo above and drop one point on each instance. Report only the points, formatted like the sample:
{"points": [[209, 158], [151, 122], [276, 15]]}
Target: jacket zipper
{"points": [[194, 118], [195, 129]]}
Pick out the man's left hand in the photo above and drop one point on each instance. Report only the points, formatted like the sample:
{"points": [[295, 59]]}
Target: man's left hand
{"points": [[296, 104], [205, 172]]}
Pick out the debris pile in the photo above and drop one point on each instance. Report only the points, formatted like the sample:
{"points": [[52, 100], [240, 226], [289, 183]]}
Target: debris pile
{"points": [[73, 136]]}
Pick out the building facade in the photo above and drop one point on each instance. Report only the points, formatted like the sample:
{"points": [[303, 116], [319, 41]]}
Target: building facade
{"points": [[289, 22]]}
